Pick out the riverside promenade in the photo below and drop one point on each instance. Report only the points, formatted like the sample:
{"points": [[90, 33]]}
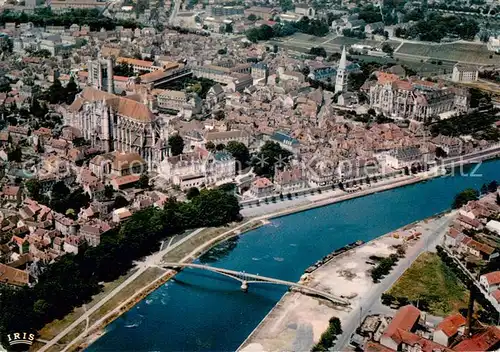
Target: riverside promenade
{"points": [[297, 322]]}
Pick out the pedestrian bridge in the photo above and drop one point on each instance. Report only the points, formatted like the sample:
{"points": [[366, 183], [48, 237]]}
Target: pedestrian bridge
{"points": [[247, 279]]}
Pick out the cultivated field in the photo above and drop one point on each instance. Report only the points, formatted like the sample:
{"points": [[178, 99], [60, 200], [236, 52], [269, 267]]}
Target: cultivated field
{"points": [[461, 52]]}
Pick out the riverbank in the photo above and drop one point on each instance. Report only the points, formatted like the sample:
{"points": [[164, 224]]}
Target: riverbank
{"points": [[319, 200], [298, 321], [327, 197]]}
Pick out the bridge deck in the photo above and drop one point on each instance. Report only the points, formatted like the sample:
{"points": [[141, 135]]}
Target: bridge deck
{"points": [[252, 278]]}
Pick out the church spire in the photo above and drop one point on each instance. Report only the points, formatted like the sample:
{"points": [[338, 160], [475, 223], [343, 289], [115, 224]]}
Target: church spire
{"points": [[341, 79], [343, 59]]}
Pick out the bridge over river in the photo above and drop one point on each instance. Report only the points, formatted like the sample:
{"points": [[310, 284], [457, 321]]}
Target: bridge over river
{"points": [[246, 279]]}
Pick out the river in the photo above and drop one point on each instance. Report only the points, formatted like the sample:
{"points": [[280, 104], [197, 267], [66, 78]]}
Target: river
{"points": [[202, 311]]}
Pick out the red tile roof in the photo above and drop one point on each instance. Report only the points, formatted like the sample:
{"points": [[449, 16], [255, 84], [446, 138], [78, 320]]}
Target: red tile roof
{"points": [[262, 182], [453, 232], [472, 222], [404, 320], [496, 295], [371, 346], [493, 278], [481, 342], [451, 324]]}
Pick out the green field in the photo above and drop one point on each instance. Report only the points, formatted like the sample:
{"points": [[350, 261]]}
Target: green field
{"points": [[431, 280], [462, 52]]}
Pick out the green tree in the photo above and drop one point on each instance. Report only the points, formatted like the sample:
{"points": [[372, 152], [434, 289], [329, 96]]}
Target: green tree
{"points": [[210, 146], [270, 157], [33, 188], [252, 17], [492, 186], [484, 189], [220, 147], [71, 90], [192, 193], [240, 152], [464, 197], [386, 48], [15, 155], [56, 93], [318, 51], [41, 307], [108, 191], [176, 144], [120, 202], [143, 181], [229, 28]]}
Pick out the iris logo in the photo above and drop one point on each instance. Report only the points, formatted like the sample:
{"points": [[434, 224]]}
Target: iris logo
{"points": [[20, 338]]}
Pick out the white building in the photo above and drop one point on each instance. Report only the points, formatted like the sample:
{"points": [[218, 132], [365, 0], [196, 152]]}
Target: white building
{"points": [[462, 73], [403, 157], [494, 44], [494, 226], [490, 281], [199, 168]]}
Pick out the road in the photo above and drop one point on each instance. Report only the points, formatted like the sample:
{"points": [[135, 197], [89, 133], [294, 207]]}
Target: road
{"points": [[479, 155], [428, 241], [142, 267], [177, 6]]}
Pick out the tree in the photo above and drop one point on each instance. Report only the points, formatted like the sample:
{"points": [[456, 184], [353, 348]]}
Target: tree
{"points": [[71, 90], [143, 181], [219, 147], [252, 17], [210, 146], [484, 189], [120, 202], [108, 191], [33, 188], [318, 51], [492, 186], [56, 93], [192, 193], [15, 155], [270, 158], [229, 28], [386, 48], [464, 197], [176, 144], [240, 152]]}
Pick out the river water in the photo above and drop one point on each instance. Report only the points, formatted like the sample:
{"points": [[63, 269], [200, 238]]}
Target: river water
{"points": [[202, 311]]}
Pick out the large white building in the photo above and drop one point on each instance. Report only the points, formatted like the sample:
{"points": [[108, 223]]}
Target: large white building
{"points": [[198, 167], [462, 73]]}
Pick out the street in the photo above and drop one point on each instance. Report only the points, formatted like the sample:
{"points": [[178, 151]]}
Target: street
{"points": [[370, 303]]}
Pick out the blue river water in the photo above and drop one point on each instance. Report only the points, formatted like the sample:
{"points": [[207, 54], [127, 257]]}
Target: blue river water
{"points": [[201, 311]]}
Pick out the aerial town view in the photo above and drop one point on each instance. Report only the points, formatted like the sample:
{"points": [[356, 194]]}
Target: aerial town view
{"points": [[249, 175]]}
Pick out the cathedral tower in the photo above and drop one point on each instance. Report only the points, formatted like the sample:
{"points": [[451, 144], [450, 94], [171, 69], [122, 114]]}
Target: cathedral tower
{"points": [[341, 80], [111, 81]]}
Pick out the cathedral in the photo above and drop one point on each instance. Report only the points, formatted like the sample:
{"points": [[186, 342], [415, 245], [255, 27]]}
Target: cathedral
{"points": [[414, 99], [112, 122]]}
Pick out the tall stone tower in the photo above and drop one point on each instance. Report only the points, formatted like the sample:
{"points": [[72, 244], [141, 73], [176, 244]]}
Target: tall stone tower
{"points": [[111, 81], [95, 73], [341, 80]]}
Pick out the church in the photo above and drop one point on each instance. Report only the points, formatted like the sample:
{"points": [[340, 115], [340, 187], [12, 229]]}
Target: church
{"points": [[112, 122], [117, 123]]}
